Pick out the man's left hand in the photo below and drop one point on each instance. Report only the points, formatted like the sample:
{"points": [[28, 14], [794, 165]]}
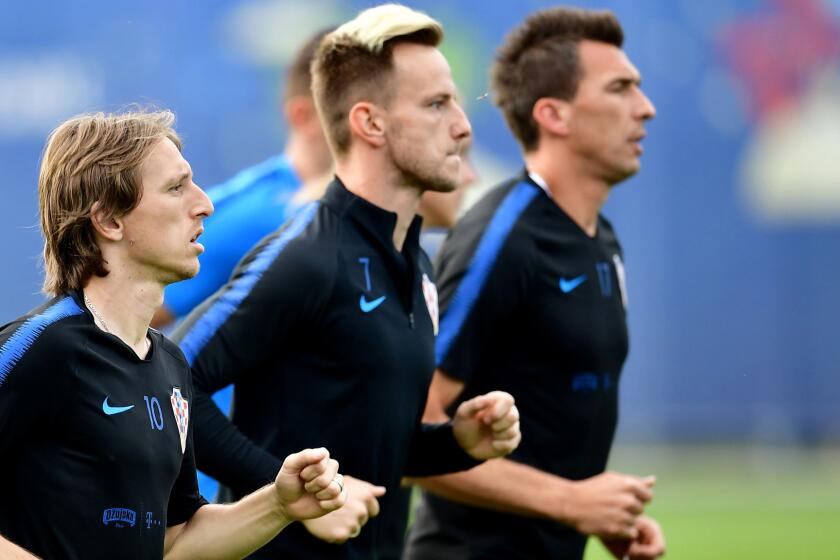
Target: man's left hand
{"points": [[648, 545], [487, 426]]}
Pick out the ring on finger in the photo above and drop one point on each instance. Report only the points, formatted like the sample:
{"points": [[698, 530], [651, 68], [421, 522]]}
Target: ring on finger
{"points": [[338, 479]]}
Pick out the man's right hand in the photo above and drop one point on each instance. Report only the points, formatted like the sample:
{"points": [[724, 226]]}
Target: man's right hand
{"points": [[607, 505], [347, 522], [308, 485]]}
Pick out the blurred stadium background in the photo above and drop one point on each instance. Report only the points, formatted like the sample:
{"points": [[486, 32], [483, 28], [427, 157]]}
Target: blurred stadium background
{"points": [[731, 232]]}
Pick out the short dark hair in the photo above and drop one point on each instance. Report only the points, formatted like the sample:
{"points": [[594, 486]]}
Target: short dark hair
{"points": [[540, 59], [298, 77]]}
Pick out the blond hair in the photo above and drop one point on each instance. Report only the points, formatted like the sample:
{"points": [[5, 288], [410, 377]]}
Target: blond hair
{"points": [[91, 161], [354, 63]]}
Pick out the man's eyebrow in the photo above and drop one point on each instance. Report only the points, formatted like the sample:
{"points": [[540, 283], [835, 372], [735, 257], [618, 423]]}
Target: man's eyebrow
{"points": [[444, 96], [627, 80], [179, 178]]}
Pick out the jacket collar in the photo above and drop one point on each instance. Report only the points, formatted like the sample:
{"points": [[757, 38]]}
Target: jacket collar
{"points": [[375, 221]]}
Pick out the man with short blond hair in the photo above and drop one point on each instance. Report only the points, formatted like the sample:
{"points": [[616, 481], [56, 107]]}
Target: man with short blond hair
{"points": [[95, 407], [337, 311]]}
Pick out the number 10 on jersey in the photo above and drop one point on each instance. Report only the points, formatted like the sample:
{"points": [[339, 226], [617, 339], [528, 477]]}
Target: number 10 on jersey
{"points": [[155, 413]]}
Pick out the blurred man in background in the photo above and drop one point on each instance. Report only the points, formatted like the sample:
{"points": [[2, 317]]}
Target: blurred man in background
{"points": [[337, 310], [95, 427], [533, 300], [257, 200]]}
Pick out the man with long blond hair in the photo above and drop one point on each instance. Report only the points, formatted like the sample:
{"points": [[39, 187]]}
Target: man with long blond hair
{"points": [[337, 311], [95, 407]]}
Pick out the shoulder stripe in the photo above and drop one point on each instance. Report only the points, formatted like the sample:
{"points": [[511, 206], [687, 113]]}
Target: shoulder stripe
{"points": [[206, 326], [485, 255], [248, 177], [25, 336]]}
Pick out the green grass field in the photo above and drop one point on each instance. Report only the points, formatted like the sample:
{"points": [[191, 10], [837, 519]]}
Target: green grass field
{"points": [[739, 503]]}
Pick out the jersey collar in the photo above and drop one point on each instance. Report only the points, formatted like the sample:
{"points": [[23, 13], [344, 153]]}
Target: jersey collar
{"points": [[380, 223], [539, 181]]}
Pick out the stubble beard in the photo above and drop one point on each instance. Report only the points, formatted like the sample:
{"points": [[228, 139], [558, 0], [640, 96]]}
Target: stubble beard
{"points": [[612, 167], [417, 174]]}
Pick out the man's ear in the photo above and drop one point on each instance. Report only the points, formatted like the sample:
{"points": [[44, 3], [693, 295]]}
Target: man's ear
{"points": [[108, 227], [367, 124], [300, 111], [552, 115]]}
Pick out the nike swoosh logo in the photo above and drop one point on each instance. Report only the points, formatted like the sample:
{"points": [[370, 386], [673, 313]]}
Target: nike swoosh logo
{"points": [[109, 410], [567, 286], [368, 306]]}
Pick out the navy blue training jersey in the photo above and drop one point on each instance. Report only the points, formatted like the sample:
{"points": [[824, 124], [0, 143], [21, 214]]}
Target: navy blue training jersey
{"points": [[327, 332], [531, 305], [96, 443]]}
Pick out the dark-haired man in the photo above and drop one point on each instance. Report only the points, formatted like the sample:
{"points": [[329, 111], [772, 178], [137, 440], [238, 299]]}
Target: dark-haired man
{"points": [[337, 311], [533, 300]]}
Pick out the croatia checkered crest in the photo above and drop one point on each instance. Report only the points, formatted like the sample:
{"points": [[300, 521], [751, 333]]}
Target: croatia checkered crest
{"points": [[181, 408], [431, 296]]}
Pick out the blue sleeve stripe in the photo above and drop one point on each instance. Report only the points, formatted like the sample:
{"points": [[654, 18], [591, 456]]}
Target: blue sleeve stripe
{"points": [[485, 256], [248, 177], [25, 336], [206, 326]]}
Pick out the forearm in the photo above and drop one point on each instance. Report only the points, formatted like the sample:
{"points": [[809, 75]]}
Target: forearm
{"points": [[230, 530], [10, 550], [223, 452], [506, 486]]}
